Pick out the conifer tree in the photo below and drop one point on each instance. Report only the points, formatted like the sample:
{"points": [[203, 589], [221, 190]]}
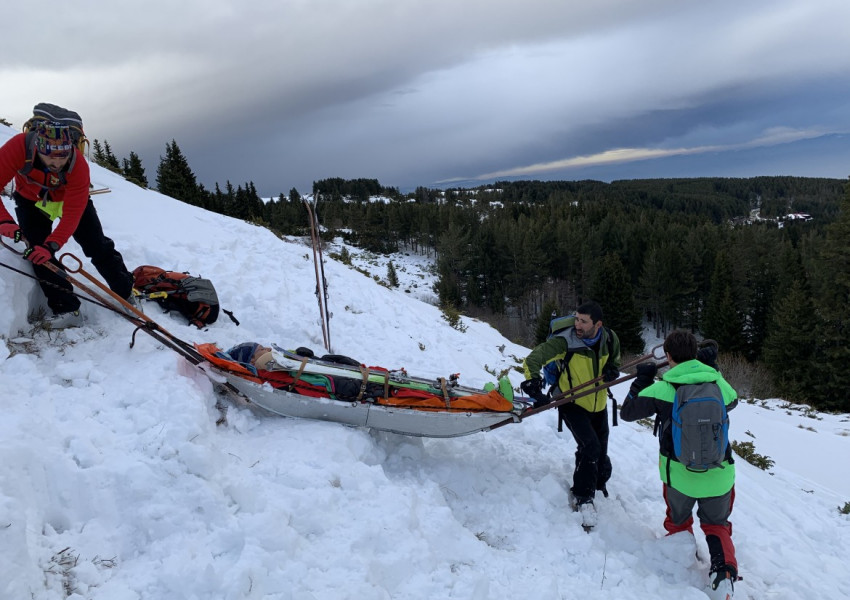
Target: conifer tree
{"points": [[174, 177], [653, 290], [790, 344], [722, 320], [612, 289], [549, 311], [111, 161], [134, 171], [104, 157], [451, 266], [99, 156], [833, 357], [834, 268], [392, 276], [830, 377]]}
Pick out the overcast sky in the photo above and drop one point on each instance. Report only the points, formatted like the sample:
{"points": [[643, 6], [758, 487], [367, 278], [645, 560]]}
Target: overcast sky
{"points": [[445, 92]]}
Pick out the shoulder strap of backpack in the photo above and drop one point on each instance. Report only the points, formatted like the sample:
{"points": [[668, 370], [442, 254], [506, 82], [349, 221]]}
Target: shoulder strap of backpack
{"points": [[29, 144], [660, 425], [563, 367]]}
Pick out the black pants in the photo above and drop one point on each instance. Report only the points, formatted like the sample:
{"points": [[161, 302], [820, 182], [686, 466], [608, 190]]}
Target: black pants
{"points": [[36, 227], [590, 430]]}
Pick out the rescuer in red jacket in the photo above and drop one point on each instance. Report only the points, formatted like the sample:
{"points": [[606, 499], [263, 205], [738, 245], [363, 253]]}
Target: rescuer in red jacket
{"points": [[52, 187]]}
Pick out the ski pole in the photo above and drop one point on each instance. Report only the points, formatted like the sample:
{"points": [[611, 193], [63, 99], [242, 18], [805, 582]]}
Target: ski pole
{"points": [[315, 242]]}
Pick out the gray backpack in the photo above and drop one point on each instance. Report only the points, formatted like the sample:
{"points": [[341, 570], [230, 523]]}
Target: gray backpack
{"points": [[700, 426]]}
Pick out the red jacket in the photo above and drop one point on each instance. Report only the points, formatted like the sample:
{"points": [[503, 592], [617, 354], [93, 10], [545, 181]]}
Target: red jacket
{"points": [[74, 194]]}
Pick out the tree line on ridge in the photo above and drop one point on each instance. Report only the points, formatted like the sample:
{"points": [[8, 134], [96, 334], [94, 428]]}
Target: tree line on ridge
{"points": [[718, 256]]}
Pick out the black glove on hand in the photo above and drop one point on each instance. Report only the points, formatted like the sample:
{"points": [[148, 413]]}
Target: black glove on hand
{"points": [[645, 378], [707, 355], [646, 372], [646, 369], [533, 388], [609, 373]]}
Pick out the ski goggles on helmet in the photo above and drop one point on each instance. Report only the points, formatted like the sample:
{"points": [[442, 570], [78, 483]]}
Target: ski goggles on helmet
{"points": [[53, 139]]}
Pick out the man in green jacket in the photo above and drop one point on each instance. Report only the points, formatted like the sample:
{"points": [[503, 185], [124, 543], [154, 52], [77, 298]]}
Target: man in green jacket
{"points": [[712, 489], [587, 350]]}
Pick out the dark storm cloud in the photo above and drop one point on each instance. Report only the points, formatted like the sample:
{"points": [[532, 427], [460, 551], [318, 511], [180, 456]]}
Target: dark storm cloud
{"points": [[415, 93]]}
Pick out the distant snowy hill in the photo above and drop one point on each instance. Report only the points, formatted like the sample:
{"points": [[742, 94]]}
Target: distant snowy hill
{"points": [[116, 483]]}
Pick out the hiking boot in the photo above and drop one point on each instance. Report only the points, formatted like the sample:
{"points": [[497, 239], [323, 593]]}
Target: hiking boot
{"points": [[589, 519], [133, 301], [584, 506], [64, 320], [722, 583]]}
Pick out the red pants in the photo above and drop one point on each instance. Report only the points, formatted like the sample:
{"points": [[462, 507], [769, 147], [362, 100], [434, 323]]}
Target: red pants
{"points": [[714, 521]]}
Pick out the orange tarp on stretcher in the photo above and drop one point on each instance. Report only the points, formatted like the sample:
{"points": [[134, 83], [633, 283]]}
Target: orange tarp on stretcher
{"points": [[422, 400], [400, 397]]}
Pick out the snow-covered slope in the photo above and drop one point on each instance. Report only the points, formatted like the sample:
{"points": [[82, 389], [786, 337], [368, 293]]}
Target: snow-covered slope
{"points": [[116, 483]]}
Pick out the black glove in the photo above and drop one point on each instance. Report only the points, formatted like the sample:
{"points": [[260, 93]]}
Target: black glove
{"points": [[707, 355], [646, 373], [533, 388], [609, 373], [645, 378]]}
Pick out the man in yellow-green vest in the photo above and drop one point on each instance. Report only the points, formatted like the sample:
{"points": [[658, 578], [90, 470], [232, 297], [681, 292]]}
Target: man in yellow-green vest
{"points": [[585, 351]]}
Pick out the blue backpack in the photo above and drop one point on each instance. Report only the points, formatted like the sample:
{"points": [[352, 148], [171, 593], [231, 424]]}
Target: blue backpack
{"points": [[700, 426]]}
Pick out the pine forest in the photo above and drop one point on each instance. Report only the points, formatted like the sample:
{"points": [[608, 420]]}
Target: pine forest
{"points": [[761, 265]]}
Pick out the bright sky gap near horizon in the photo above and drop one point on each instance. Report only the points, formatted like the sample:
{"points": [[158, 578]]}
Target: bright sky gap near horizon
{"points": [[446, 93]]}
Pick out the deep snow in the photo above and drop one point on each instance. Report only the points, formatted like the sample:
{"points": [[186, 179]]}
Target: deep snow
{"points": [[116, 483]]}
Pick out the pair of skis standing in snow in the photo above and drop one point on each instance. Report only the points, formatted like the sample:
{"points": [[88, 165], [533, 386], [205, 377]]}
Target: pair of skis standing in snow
{"points": [[52, 182]]}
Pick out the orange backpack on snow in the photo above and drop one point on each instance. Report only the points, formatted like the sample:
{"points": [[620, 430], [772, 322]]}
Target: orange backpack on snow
{"points": [[193, 297]]}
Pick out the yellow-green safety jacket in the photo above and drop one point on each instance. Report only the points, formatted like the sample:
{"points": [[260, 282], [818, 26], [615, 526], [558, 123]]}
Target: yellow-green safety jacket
{"points": [[583, 365], [657, 399]]}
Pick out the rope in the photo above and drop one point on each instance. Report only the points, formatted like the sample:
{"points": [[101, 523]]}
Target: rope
{"points": [[185, 349], [59, 287]]}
